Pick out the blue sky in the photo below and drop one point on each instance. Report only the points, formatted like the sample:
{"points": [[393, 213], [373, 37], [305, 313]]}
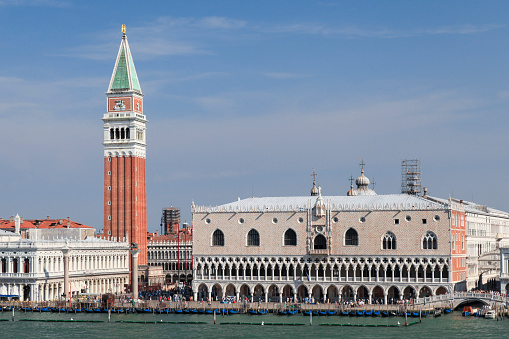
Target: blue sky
{"points": [[245, 98]]}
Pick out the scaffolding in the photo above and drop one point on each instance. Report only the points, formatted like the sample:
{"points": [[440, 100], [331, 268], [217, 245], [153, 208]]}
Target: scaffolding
{"points": [[171, 220], [411, 176]]}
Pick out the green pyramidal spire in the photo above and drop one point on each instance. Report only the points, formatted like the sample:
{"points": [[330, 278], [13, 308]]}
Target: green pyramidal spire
{"points": [[124, 78]]}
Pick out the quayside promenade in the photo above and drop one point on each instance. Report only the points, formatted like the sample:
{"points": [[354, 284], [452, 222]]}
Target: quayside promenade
{"points": [[428, 306]]}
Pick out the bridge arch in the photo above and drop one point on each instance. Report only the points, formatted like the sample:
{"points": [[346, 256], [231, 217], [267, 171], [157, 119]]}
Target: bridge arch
{"points": [[460, 302]]}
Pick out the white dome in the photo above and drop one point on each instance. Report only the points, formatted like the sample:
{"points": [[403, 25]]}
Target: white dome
{"points": [[362, 181]]}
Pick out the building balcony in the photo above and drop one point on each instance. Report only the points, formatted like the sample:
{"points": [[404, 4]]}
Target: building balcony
{"points": [[319, 252], [18, 275]]}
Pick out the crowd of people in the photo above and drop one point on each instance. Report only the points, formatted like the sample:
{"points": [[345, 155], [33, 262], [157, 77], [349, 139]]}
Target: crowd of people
{"points": [[177, 293]]}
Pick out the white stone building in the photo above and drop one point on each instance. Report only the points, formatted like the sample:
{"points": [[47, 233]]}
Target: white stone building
{"points": [[33, 269], [363, 245]]}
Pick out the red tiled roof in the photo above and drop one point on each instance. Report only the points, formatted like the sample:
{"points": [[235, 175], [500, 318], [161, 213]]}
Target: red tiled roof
{"points": [[41, 224], [171, 237]]}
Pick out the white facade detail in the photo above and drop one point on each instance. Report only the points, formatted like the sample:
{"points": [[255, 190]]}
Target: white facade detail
{"points": [[133, 140], [33, 269]]}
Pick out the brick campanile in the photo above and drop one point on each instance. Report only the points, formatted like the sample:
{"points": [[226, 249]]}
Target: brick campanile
{"points": [[125, 193]]}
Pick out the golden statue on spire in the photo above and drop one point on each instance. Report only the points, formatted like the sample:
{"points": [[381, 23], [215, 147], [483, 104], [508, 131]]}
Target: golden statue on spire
{"points": [[123, 29]]}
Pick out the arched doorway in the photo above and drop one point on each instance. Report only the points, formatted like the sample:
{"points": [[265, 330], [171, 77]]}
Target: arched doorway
{"points": [[317, 293], [362, 293], [26, 293], [273, 293], [441, 290], [393, 295], [409, 292], [302, 293], [230, 291], [217, 292], [347, 293], [332, 294], [244, 292], [203, 292], [425, 292], [258, 293], [378, 295], [287, 292]]}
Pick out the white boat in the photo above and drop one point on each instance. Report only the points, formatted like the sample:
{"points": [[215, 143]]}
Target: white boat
{"points": [[490, 314]]}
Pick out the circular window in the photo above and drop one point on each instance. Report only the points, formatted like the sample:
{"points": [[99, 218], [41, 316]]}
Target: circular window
{"points": [[362, 219], [274, 220], [207, 221], [301, 220], [335, 219], [436, 218], [319, 228], [408, 218], [241, 220]]}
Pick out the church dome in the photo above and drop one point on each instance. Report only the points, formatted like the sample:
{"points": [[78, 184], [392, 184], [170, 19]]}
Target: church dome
{"points": [[362, 181], [351, 192]]}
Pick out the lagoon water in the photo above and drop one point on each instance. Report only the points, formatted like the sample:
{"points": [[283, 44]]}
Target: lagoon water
{"points": [[447, 326]]}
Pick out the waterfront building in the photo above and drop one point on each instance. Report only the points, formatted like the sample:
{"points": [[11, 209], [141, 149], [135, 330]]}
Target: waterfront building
{"points": [[173, 251], [487, 231], [125, 197], [363, 245], [33, 261]]}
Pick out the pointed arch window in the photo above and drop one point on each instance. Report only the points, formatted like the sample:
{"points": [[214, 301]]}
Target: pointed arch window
{"points": [[389, 241], [253, 238], [218, 238], [430, 241], [351, 237], [290, 237], [320, 243]]}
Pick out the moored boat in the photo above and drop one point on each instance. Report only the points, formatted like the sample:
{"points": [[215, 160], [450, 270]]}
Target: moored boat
{"points": [[490, 314], [467, 310]]}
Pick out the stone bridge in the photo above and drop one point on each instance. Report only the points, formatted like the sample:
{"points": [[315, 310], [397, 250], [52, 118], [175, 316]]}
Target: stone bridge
{"points": [[458, 298]]}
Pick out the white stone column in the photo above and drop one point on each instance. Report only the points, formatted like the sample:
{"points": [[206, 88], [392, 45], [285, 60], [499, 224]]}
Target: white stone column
{"points": [[134, 273], [66, 251]]}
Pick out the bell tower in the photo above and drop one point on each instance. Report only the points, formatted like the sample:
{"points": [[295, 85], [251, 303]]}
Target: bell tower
{"points": [[125, 193]]}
